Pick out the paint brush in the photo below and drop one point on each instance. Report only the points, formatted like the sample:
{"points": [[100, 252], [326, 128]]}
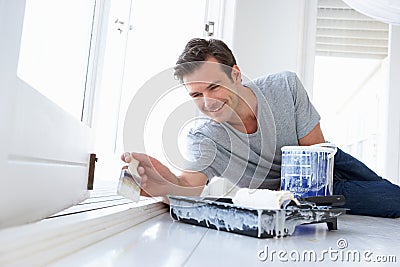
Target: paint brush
{"points": [[129, 182]]}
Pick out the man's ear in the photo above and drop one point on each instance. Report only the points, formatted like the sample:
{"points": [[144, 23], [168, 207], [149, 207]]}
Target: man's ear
{"points": [[236, 74]]}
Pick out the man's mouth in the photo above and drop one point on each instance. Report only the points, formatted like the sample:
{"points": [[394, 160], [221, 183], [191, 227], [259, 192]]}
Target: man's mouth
{"points": [[216, 109]]}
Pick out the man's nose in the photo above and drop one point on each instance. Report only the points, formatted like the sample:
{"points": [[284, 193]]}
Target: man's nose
{"points": [[210, 103]]}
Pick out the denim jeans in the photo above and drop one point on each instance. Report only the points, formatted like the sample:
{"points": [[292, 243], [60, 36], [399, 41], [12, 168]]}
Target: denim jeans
{"points": [[366, 193]]}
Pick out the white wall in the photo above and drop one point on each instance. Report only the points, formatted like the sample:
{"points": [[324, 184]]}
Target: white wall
{"points": [[267, 36], [355, 121]]}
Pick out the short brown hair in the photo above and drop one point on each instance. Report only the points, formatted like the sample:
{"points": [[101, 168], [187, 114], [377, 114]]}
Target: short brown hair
{"points": [[197, 50]]}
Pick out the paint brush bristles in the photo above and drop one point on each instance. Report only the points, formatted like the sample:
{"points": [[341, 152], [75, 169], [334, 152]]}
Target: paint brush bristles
{"points": [[129, 182]]}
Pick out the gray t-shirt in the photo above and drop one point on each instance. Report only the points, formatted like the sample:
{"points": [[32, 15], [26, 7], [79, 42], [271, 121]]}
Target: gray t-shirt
{"points": [[284, 114]]}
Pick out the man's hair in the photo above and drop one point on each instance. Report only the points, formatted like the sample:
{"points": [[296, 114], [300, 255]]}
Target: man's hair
{"points": [[197, 51]]}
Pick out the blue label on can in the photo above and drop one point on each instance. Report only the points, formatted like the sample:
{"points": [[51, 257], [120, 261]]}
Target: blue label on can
{"points": [[307, 173]]}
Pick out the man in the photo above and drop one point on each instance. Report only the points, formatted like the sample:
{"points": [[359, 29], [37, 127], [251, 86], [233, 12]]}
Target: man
{"points": [[247, 126]]}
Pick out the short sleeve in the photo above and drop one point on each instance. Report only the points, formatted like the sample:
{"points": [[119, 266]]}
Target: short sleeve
{"points": [[306, 115], [200, 153]]}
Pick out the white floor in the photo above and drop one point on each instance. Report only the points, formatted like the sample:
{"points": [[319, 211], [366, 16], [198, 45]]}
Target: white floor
{"points": [[157, 240], [162, 242]]}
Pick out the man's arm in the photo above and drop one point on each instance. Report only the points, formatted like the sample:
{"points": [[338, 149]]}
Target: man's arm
{"points": [[158, 180], [313, 137], [191, 183]]}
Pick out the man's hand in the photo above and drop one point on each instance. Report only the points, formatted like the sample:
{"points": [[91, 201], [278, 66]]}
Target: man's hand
{"points": [[158, 180]]}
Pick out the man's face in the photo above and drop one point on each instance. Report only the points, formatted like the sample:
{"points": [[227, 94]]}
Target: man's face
{"points": [[214, 93]]}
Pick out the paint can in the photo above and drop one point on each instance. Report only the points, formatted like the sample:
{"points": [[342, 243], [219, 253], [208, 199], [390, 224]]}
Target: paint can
{"points": [[308, 170]]}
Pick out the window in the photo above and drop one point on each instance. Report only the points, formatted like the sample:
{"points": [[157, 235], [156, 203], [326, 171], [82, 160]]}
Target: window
{"points": [[55, 50], [156, 38], [350, 75]]}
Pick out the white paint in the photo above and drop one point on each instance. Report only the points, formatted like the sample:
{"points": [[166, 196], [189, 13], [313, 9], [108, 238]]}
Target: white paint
{"points": [[261, 198], [219, 187], [229, 217]]}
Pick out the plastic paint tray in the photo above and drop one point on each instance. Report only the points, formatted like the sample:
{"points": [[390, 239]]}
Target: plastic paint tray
{"points": [[221, 214]]}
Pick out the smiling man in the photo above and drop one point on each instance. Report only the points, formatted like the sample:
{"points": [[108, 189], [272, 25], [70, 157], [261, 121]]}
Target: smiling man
{"points": [[248, 124], [223, 98]]}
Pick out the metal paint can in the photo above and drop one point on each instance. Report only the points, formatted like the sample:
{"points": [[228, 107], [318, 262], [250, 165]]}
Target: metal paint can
{"points": [[308, 170]]}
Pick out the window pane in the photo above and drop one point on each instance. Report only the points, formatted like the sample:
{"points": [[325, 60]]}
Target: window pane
{"points": [[55, 49]]}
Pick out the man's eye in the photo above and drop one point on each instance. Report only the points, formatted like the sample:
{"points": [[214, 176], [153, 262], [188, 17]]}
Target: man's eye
{"points": [[214, 87], [195, 95]]}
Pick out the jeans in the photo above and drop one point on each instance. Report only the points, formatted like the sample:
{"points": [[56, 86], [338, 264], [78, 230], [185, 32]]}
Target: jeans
{"points": [[366, 193]]}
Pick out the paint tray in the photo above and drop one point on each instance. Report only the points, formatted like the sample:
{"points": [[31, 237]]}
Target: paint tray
{"points": [[222, 214]]}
